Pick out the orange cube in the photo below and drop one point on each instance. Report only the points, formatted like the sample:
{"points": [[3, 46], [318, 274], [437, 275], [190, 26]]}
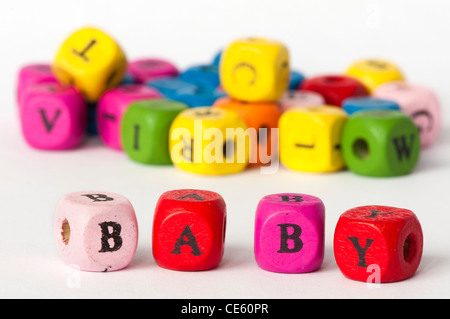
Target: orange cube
{"points": [[262, 118]]}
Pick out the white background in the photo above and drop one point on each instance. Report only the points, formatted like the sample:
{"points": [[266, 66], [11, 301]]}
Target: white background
{"points": [[323, 37]]}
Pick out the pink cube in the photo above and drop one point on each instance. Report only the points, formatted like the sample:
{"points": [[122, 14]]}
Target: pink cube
{"points": [[33, 74], [419, 102], [294, 98], [289, 233], [113, 105], [53, 117], [96, 231], [145, 70]]}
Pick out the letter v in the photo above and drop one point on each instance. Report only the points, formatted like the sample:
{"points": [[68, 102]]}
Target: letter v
{"points": [[49, 124]]}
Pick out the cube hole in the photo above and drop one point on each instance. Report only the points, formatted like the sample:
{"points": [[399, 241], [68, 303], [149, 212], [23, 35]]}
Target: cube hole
{"points": [[65, 232], [361, 148], [409, 248]]}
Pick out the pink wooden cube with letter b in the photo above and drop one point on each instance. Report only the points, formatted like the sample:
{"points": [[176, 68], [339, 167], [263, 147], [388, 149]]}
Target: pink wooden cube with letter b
{"points": [[289, 233], [96, 231]]}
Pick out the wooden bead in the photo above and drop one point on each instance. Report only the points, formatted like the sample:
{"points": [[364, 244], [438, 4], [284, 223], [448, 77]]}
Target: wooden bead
{"points": [[374, 72], [206, 76], [33, 74], [91, 61], [380, 143], [149, 69], [112, 106], [255, 70], [420, 103], [289, 233], [209, 141], [296, 79], [335, 88], [378, 244], [259, 116], [189, 230], [310, 139], [294, 98], [190, 93], [145, 127], [96, 231], [356, 104], [53, 117]]}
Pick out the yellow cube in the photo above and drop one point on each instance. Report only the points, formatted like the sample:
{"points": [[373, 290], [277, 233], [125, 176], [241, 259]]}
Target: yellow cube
{"points": [[209, 141], [91, 61], [373, 72], [255, 70], [310, 138]]}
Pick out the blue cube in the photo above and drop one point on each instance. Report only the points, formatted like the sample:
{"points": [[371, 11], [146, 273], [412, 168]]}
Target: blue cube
{"points": [[356, 104], [206, 76], [296, 79]]}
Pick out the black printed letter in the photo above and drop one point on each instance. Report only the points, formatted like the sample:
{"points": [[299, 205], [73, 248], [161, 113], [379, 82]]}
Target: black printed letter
{"points": [[106, 235], [361, 251], [295, 237], [190, 242]]}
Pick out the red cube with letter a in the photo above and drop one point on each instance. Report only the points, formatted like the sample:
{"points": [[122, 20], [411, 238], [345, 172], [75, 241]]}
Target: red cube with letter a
{"points": [[378, 244], [189, 230]]}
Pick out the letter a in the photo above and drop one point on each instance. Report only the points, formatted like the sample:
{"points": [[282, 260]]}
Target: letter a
{"points": [[191, 241]]}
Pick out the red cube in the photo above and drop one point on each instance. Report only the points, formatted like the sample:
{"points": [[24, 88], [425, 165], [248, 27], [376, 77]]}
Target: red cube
{"points": [[378, 244], [335, 88], [189, 230]]}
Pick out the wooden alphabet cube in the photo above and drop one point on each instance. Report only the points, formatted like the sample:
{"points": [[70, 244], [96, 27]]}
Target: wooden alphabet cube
{"points": [[255, 70], [378, 244], [209, 141], [91, 61], [296, 79], [96, 231], [295, 98], [189, 230], [263, 118], [206, 76], [335, 88], [112, 106], [216, 59], [33, 74], [380, 143], [289, 233], [53, 117], [190, 93], [420, 103], [356, 104], [145, 130], [149, 69], [310, 139], [374, 72]]}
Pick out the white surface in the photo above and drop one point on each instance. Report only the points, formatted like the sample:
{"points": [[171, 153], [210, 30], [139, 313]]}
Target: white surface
{"points": [[323, 36]]}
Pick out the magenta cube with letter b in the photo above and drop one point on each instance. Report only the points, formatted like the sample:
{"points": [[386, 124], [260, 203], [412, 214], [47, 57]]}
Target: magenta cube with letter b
{"points": [[289, 233]]}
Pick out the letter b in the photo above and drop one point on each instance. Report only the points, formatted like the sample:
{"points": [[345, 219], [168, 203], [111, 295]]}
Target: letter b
{"points": [[293, 237], [289, 235]]}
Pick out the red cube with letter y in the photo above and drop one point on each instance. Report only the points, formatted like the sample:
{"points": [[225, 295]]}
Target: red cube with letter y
{"points": [[383, 239]]}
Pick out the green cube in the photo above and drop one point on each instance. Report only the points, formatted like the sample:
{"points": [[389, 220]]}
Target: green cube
{"points": [[145, 130], [380, 143]]}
